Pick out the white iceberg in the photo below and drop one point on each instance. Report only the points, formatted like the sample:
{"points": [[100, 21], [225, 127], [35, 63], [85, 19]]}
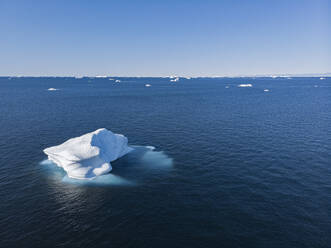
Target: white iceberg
{"points": [[266, 90], [322, 78], [148, 85], [89, 155], [52, 89], [245, 85], [174, 80]]}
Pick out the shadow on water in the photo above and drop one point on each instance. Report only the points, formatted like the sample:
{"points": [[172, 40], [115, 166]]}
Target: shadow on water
{"points": [[130, 170]]}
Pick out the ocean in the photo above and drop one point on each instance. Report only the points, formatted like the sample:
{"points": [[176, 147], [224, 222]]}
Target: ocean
{"points": [[232, 166]]}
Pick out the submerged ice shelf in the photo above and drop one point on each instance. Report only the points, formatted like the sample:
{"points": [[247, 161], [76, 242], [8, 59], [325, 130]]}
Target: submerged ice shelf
{"points": [[89, 155]]}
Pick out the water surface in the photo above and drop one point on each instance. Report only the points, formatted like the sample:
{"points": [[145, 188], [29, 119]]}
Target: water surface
{"points": [[233, 167]]}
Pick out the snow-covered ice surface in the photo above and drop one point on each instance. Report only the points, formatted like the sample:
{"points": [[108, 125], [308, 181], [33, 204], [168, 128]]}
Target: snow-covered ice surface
{"points": [[89, 155]]}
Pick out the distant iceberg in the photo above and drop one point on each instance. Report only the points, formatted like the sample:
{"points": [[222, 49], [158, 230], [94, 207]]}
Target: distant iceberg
{"points": [[266, 90], [52, 89], [148, 85], [322, 78], [89, 155], [245, 85], [117, 81], [174, 80]]}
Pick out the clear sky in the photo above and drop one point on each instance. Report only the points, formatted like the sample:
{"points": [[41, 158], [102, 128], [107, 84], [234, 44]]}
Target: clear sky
{"points": [[161, 38]]}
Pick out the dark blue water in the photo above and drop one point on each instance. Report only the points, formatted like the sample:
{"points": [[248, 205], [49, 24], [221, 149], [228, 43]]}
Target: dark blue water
{"points": [[233, 167]]}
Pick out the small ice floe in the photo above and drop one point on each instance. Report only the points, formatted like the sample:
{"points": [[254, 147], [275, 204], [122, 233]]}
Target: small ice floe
{"points": [[322, 78], [226, 87], [111, 79], [266, 90], [315, 86], [89, 155], [148, 85], [52, 89], [273, 76], [174, 80], [152, 148], [117, 81], [245, 85], [188, 78]]}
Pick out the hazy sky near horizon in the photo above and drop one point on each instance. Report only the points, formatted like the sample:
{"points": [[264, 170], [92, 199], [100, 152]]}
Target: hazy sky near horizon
{"points": [[160, 38]]}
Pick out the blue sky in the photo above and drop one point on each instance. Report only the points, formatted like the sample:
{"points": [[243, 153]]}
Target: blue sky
{"points": [[160, 38]]}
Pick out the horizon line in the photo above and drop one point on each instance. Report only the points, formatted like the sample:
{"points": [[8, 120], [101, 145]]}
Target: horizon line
{"points": [[323, 74]]}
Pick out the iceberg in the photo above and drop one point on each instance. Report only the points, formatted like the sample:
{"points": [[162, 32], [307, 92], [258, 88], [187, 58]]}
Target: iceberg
{"points": [[89, 155], [174, 80], [52, 89], [245, 85]]}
